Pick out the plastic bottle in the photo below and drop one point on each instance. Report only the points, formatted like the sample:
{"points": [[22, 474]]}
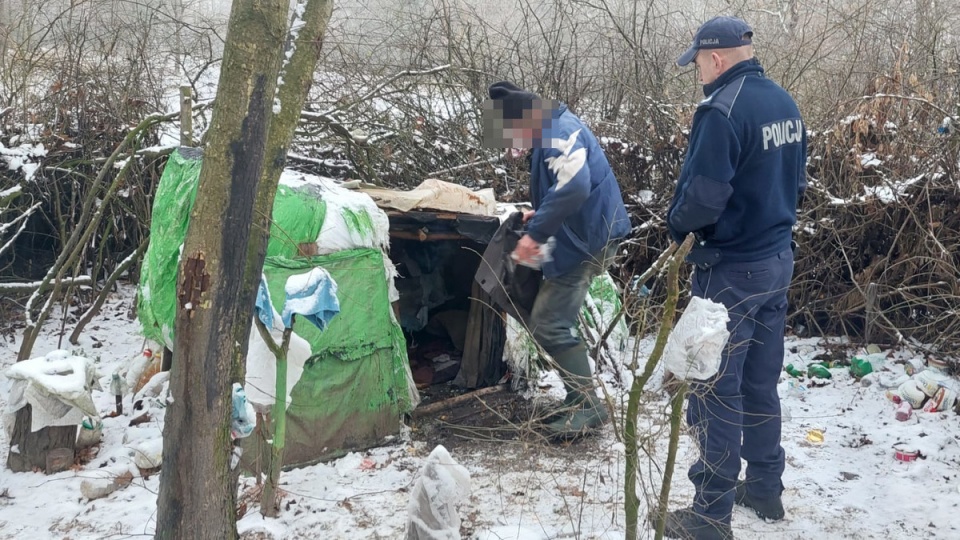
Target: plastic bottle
{"points": [[860, 367], [793, 372], [877, 360], [795, 389], [818, 370]]}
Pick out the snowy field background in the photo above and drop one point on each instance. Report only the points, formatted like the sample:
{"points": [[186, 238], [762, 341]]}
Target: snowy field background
{"points": [[850, 486]]}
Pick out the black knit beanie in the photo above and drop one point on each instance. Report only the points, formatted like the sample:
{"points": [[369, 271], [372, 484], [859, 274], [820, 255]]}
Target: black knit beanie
{"points": [[513, 99]]}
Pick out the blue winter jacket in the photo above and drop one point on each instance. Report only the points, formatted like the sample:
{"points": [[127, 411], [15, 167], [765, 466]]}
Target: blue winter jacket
{"points": [[744, 171], [575, 194]]}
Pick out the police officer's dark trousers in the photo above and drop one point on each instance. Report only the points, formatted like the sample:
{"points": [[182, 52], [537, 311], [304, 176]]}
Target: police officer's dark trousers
{"points": [[737, 413]]}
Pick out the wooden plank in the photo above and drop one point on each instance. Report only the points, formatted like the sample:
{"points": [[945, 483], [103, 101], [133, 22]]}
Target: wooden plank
{"points": [[456, 400], [483, 347], [186, 116], [423, 236], [471, 361]]}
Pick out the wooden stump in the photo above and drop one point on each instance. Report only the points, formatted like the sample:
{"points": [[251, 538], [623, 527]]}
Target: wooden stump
{"points": [[50, 449]]}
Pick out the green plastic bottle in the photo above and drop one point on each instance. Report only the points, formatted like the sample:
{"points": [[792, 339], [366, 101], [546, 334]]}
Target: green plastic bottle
{"points": [[793, 372], [818, 370], [860, 367]]}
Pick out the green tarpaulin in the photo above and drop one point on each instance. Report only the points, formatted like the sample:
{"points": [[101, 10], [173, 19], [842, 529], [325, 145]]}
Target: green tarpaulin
{"points": [[354, 386]]}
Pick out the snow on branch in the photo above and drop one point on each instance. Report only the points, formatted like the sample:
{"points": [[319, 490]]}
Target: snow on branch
{"points": [[38, 286], [4, 227]]}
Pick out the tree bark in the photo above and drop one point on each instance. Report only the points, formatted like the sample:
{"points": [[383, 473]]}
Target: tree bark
{"points": [[197, 496], [297, 74]]}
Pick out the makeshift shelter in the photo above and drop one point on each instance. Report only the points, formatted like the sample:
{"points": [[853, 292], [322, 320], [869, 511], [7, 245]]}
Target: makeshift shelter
{"points": [[355, 386], [438, 232], [404, 266]]}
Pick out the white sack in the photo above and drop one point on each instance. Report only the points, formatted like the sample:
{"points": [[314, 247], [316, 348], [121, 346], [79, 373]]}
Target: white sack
{"points": [[696, 343], [432, 511]]}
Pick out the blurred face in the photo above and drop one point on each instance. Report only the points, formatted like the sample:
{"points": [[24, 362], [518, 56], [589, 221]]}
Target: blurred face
{"points": [[533, 129], [709, 65], [526, 132]]}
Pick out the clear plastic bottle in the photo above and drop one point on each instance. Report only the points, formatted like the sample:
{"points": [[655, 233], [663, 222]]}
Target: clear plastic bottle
{"points": [[785, 416], [877, 360], [795, 389]]}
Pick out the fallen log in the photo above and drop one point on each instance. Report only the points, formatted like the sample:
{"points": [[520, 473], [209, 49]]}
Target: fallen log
{"points": [[432, 408]]}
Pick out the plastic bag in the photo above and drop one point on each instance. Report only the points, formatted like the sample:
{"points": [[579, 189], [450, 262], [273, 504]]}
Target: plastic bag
{"points": [[442, 485], [696, 343], [244, 418], [544, 255]]}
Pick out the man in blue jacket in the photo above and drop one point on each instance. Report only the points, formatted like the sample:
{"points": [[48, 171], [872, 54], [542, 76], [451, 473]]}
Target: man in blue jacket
{"points": [[577, 204], [738, 192]]}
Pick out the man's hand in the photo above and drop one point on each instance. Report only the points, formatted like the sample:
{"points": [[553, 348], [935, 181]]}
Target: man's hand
{"points": [[528, 215], [527, 249]]}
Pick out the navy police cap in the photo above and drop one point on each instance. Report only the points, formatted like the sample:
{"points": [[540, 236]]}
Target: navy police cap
{"points": [[718, 33]]}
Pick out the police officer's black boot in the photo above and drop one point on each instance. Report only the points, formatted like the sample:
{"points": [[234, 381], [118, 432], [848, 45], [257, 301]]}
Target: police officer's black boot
{"points": [[685, 524], [767, 508], [582, 410]]}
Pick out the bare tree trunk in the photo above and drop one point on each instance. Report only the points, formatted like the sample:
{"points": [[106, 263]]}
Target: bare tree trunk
{"points": [[197, 488], [298, 77]]}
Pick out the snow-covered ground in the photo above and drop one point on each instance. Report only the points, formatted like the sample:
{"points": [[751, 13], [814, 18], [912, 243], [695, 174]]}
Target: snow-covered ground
{"points": [[848, 486]]}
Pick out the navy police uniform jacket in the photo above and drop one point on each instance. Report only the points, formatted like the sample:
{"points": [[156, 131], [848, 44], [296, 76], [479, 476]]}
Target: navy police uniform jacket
{"points": [[744, 172], [575, 194]]}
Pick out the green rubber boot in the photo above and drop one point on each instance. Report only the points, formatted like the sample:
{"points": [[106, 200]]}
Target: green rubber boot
{"points": [[583, 412]]}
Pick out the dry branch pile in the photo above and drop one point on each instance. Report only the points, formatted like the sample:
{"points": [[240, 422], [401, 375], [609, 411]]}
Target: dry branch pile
{"points": [[878, 228], [881, 209]]}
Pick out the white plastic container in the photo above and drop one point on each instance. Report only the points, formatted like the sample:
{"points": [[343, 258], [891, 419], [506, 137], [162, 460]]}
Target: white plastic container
{"points": [[911, 392], [930, 380], [943, 400]]}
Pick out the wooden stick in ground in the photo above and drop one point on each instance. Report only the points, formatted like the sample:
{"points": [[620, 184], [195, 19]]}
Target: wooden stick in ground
{"points": [[268, 504], [454, 401], [186, 116], [871, 306]]}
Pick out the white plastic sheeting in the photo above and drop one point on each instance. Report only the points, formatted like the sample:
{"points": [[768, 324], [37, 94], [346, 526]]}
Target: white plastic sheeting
{"points": [[261, 380], [432, 511], [57, 387]]}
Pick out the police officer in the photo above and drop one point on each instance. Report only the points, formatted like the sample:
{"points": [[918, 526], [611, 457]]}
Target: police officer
{"points": [[738, 192]]}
